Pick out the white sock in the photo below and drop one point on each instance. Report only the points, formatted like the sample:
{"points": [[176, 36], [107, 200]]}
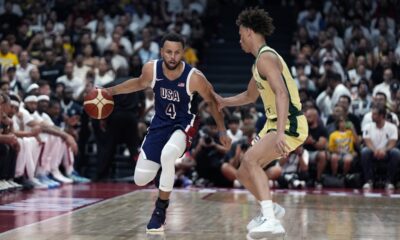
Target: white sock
{"points": [[267, 209]]}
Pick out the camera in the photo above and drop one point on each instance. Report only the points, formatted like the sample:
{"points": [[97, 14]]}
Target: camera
{"points": [[207, 139]]}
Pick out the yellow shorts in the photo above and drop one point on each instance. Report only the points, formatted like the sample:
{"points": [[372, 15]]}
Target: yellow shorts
{"points": [[296, 130]]}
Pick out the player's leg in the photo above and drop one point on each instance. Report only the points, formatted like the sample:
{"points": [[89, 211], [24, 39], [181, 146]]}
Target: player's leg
{"points": [[145, 170], [173, 149], [252, 176]]}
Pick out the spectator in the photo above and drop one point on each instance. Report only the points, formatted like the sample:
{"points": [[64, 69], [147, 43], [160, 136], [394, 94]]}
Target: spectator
{"points": [[233, 129], [23, 69], [294, 169], [69, 80], [7, 58], [316, 143], [103, 74], [342, 146], [362, 103], [380, 138], [379, 100], [50, 70], [384, 87], [9, 20]]}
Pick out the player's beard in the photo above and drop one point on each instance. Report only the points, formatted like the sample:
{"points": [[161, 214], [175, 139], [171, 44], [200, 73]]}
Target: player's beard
{"points": [[172, 67]]}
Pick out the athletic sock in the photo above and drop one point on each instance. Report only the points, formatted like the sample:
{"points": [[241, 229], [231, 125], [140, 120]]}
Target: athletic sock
{"points": [[267, 209]]}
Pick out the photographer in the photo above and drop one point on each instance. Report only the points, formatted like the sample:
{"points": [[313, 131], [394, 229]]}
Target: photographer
{"points": [[209, 153], [232, 162]]}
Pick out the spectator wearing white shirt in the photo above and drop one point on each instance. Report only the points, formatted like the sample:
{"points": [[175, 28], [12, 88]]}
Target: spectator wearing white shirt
{"points": [[122, 41], [380, 138], [101, 37], [146, 36], [312, 20], [69, 80], [103, 74], [139, 20], [381, 100], [117, 60], [23, 69], [80, 69], [100, 17], [384, 87], [234, 132]]}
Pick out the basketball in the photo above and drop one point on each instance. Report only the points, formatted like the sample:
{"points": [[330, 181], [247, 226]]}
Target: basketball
{"points": [[98, 104]]}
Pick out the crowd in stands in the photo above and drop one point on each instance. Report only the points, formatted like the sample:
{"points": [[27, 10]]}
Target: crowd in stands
{"points": [[53, 52], [346, 63]]}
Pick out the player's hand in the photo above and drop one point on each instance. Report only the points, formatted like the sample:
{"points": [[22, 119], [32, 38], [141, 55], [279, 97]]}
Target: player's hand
{"points": [[225, 141], [72, 144], [220, 101], [281, 146]]}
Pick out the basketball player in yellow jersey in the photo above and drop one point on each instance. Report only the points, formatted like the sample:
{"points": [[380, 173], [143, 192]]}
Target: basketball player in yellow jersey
{"points": [[286, 127]]}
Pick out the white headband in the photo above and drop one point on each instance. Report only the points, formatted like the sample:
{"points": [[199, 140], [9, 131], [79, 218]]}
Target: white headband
{"points": [[14, 103], [32, 87], [43, 98], [31, 98]]}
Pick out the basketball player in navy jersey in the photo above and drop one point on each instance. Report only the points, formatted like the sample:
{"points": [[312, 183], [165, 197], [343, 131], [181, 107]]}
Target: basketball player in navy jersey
{"points": [[174, 84]]}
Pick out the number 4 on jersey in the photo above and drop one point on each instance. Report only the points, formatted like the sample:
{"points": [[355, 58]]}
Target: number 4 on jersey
{"points": [[170, 111]]}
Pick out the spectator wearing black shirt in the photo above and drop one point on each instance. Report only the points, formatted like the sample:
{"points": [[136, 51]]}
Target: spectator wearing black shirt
{"points": [[316, 142], [51, 70], [9, 21]]}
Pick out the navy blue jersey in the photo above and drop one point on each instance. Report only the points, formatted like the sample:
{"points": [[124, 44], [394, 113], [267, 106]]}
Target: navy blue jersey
{"points": [[173, 100]]}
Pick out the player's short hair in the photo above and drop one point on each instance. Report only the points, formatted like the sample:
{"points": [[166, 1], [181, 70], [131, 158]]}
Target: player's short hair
{"points": [[256, 19], [173, 37]]}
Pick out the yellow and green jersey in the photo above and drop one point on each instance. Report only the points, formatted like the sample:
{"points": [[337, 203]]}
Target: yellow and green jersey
{"points": [[266, 93]]}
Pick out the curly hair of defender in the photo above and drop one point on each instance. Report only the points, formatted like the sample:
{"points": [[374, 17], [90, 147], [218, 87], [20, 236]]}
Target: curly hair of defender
{"points": [[256, 19]]}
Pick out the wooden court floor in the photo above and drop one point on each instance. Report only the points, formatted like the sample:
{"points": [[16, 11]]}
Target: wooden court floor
{"points": [[220, 214]]}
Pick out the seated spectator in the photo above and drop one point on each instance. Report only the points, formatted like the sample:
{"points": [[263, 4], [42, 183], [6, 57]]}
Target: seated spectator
{"points": [[9, 147], [7, 58], [209, 153], [362, 102], [234, 132], [316, 143], [294, 169], [379, 100], [341, 146], [380, 139], [232, 162], [23, 69]]}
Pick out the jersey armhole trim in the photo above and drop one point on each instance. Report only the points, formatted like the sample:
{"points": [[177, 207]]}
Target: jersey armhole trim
{"points": [[153, 82], [188, 81]]}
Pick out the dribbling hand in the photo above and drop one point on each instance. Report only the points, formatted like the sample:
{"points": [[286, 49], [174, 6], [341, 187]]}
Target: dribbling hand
{"points": [[225, 141]]}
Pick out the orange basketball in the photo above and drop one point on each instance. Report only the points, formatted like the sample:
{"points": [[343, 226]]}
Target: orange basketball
{"points": [[98, 103]]}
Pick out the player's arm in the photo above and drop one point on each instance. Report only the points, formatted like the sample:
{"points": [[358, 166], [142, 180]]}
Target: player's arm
{"points": [[135, 84], [246, 97], [269, 66], [199, 84]]}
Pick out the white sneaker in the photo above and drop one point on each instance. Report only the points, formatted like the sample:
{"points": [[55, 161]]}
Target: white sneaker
{"points": [[60, 178], [37, 184], [279, 212], [389, 186], [367, 186], [270, 228]]}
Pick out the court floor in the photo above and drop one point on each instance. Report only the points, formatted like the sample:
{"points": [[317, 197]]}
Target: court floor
{"points": [[121, 211]]}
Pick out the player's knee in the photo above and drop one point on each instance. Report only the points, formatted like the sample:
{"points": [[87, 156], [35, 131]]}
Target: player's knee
{"points": [[141, 179]]}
